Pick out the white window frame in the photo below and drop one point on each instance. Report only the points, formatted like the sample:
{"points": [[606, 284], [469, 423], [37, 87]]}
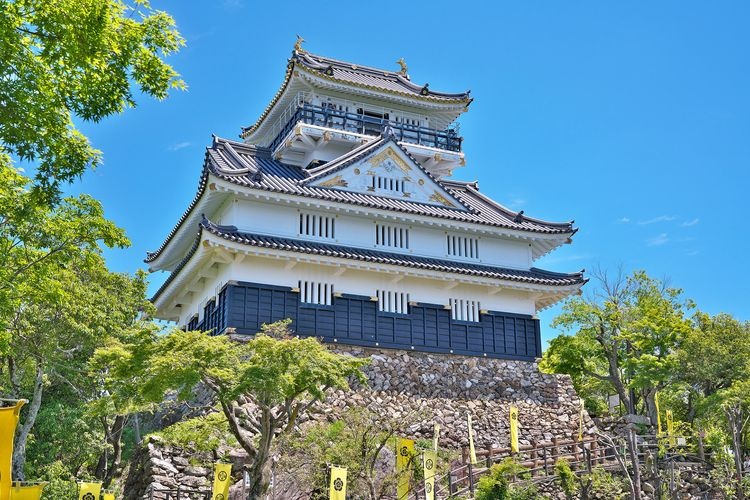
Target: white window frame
{"points": [[390, 301], [315, 292], [465, 310]]}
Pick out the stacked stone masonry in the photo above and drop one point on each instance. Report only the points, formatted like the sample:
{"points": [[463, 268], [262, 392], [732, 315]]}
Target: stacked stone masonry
{"points": [[432, 388]]}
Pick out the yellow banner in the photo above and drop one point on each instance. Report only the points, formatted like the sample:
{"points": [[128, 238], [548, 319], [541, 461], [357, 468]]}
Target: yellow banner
{"points": [[8, 422], [658, 414], [27, 492], [429, 462], [472, 452], [89, 491], [435, 437], [580, 423], [404, 455], [337, 486], [222, 476], [108, 495], [513, 429]]}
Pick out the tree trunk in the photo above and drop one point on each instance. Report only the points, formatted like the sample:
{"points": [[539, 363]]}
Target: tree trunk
{"points": [[19, 449], [115, 439], [649, 399], [616, 378], [734, 418], [632, 441], [260, 468]]}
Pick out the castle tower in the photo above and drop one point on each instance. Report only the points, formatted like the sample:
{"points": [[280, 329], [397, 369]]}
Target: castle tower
{"points": [[337, 209]]}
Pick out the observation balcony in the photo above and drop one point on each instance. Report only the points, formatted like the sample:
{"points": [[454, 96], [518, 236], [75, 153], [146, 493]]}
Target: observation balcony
{"points": [[320, 133], [448, 140]]}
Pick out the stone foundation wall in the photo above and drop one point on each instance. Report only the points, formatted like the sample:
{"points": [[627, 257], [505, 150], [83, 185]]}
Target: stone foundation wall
{"points": [[449, 387], [429, 388]]}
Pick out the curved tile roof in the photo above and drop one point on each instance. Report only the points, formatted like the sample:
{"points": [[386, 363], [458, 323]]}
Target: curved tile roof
{"points": [[362, 76], [252, 167], [532, 276]]}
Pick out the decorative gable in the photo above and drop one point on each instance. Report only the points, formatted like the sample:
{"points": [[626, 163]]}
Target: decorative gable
{"points": [[384, 169]]}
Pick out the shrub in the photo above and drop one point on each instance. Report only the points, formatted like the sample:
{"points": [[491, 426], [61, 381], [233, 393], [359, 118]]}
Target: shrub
{"points": [[496, 484], [566, 478]]}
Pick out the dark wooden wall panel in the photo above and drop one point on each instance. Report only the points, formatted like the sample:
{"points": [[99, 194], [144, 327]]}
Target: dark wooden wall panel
{"points": [[356, 320]]}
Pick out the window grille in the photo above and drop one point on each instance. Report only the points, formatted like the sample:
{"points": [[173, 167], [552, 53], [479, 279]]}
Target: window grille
{"points": [[393, 302], [462, 246], [387, 184], [312, 292], [391, 236], [464, 310], [317, 226]]}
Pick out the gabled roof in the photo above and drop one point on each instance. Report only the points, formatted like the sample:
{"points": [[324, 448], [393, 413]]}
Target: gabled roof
{"points": [[533, 276], [369, 149], [374, 79], [253, 168]]}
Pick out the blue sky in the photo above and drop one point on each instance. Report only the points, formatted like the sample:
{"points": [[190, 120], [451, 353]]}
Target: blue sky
{"points": [[631, 118]]}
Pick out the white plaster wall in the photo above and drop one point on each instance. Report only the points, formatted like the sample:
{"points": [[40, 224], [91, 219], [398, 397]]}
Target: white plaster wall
{"points": [[283, 220], [275, 271]]}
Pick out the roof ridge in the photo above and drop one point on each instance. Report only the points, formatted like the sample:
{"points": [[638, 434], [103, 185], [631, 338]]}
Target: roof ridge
{"points": [[512, 214], [322, 170], [384, 139], [231, 232]]}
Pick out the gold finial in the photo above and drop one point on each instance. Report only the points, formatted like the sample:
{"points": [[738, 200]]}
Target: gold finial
{"points": [[404, 67], [298, 44]]}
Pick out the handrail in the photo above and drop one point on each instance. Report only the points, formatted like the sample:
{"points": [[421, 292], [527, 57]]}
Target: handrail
{"points": [[368, 125], [178, 493], [539, 460]]}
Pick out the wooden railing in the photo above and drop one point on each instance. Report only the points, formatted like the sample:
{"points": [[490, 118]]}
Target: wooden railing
{"points": [[178, 493], [539, 460], [368, 125]]}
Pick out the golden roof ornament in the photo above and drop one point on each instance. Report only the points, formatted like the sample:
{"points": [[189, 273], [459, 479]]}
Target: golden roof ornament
{"points": [[404, 67], [298, 44]]}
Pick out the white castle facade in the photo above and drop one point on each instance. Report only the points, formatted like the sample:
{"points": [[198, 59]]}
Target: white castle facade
{"points": [[337, 209]]}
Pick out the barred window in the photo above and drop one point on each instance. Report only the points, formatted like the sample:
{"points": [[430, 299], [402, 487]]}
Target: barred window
{"points": [[388, 184], [312, 292], [393, 302], [464, 310], [463, 246], [318, 226], [391, 236]]}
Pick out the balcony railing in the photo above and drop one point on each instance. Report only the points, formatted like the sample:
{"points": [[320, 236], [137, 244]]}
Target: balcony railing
{"points": [[448, 140]]}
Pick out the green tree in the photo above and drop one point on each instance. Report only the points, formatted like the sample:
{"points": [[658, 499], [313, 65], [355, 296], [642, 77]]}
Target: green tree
{"points": [[65, 312], [624, 335], [359, 439], [262, 385], [75, 58], [713, 355]]}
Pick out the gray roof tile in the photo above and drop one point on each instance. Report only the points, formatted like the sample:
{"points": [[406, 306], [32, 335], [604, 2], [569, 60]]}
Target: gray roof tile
{"points": [[253, 168], [231, 233]]}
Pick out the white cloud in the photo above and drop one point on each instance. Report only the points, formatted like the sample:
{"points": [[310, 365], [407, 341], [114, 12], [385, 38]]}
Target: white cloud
{"points": [[661, 218], [658, 240], [691, 222], [179, 146], [623, 220]]}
